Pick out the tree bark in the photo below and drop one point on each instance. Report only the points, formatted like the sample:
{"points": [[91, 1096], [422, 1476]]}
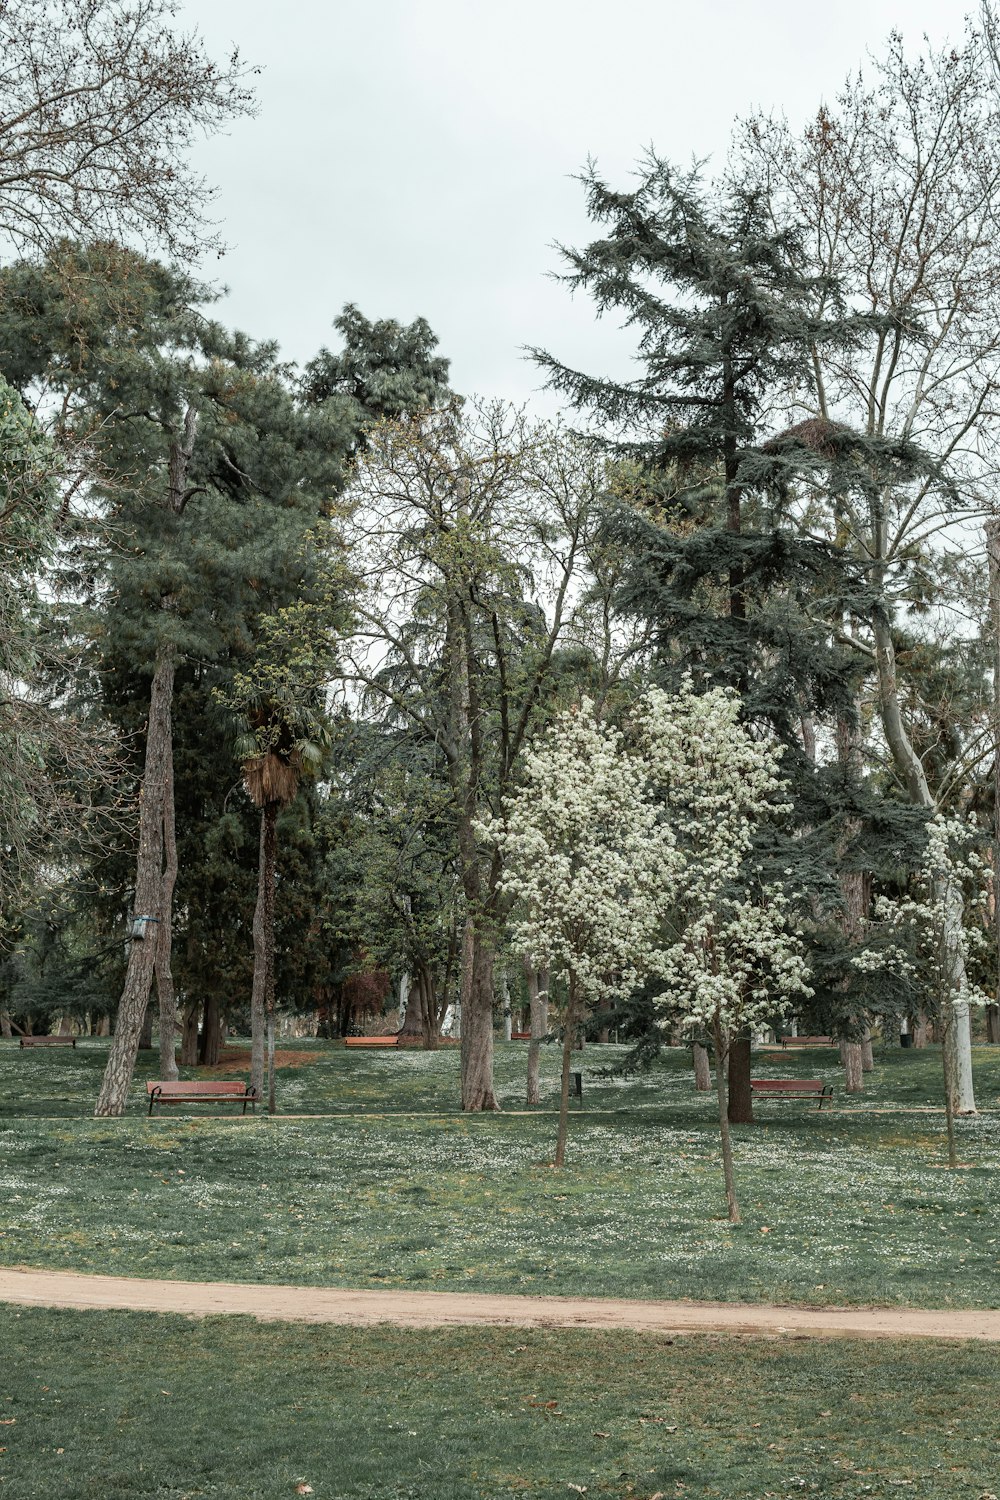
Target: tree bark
{"points": [[958, 1051], [5, 1023], [568, 1031], [538, 1005], [189, 1034], [740, 1109], [164, 932], [148, 894], [722, 1046], [477, 1027], [853, 1081], [992, 530], [702, 1072], [262, 996], [209, 1044], [867, 1058]]}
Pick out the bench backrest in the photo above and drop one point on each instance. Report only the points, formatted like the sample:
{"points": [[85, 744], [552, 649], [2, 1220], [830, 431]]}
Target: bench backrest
{"points": [[48, 1041], [787, 1085], [807, 1041], [208, 1085], [371, 1041]]}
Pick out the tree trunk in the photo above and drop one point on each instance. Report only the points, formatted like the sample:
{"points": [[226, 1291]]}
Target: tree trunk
{"points": [[5, 1022], [853, 1081], [958, 1055], [477, 1026], [189, 1035], [867, 1059], [505, 999], [538, 1007], [404, 998], [413, 1018], [164, 932], [993, 555], [429, 1007], [262, 997], [210, 1041], [148, 895], [740, 1097], [722, 1046], [702, 1072], [568, 1030]]}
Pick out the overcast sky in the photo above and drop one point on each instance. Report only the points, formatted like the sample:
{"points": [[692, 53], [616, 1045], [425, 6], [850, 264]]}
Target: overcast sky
{"points": [[417, 156]]}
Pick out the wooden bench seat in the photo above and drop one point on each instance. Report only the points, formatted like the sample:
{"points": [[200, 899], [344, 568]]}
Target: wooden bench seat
{"points": [[203, 1091], [792, 1088], [371, 1041], [48, 1041], [807, 1041]]}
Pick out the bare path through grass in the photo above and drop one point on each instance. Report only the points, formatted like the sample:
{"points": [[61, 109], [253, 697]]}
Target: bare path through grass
{"points": [[405, 1309]]}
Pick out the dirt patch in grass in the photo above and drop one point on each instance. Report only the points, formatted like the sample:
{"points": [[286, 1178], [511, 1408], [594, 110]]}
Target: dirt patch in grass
{"points": [[237, 1060]]}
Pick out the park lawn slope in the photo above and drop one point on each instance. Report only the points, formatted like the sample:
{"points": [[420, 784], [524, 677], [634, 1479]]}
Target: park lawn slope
{"points": [[119, 1406]]}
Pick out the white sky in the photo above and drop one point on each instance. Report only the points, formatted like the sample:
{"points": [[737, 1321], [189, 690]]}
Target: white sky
{"points": [[416, 156]]}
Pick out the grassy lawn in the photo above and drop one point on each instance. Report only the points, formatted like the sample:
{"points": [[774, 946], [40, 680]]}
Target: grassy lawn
{"points": [[117, 1406], [842, 1206]]}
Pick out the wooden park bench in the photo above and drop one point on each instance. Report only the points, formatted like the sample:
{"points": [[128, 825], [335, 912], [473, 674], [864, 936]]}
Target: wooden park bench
{"points": [[48, 1041], [204, 1091], [792, 1088], [807, 1041], [521, 1036], [371, 1041]]}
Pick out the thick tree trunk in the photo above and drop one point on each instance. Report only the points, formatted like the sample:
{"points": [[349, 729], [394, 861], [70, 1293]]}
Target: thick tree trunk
{"points": [[5, 1023], [568, 1032], [538, 1009], [477, 1027], [164, 932], [413, 1018], [958, 1052], [702, 1071], [853, 1081], [210, 1041], [993, 556], [737, 1053], [189, 1034], [722, 1048], [148, 895], [429, 1007]]}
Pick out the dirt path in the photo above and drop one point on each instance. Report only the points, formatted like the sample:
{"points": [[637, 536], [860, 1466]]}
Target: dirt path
{"points": [[309, 1304]]}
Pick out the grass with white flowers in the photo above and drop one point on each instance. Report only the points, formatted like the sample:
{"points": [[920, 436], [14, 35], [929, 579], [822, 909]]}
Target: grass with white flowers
{"points": [[851, 1205]]}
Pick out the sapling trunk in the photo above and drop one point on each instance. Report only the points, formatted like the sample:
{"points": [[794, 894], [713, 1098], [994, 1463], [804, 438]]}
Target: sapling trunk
{"points": [[702, 1072], [721, 1047]]}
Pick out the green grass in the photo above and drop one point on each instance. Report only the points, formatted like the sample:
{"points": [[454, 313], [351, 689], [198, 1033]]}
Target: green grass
{"points": [[120, 1406], [848, 1206]]}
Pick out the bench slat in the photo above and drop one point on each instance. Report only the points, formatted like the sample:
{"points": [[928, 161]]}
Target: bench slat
{"points": [[371, 1041]]}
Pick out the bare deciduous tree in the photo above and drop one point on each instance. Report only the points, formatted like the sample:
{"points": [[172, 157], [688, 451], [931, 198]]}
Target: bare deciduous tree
{"points": [[100, 103]]}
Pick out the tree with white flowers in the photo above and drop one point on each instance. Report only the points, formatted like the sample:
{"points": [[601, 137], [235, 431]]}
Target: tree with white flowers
{"points": [[731, 959], [923, 937], [587, 858]]}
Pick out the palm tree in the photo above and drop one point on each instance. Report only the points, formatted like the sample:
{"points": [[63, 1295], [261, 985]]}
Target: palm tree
{"points": [[276, 749]]}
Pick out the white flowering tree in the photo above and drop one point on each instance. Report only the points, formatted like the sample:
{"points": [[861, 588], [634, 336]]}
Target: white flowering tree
{"points": [[731, 959], [922, 937], [587, 857]]}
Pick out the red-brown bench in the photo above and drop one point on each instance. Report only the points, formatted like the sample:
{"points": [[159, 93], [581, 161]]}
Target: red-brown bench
{"points": [[807, 1041], [204, 1091], [48, 1041], [371, 1041], [792, 1088]]}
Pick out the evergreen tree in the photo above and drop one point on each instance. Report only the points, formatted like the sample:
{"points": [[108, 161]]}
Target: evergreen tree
{"points": [[725, 328]]}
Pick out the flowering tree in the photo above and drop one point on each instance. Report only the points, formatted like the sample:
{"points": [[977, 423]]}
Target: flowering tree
{"points": [[731, 959], [923, 937], [587, 857]]}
